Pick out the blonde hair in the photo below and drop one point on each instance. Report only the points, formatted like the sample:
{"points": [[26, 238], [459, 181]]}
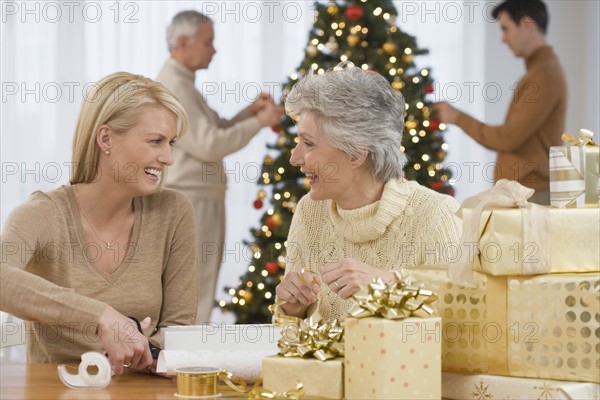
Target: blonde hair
{"points": [[117, 101]]}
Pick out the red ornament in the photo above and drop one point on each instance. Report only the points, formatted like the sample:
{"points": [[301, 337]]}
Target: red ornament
{"points": [[354, 13], [430, 88], [437, 185], [271, 223], [434, 124], [450, 191], [258, 204], [276, 128], [272, 267]]}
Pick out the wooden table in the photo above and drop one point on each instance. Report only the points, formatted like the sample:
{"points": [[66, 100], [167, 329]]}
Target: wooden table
{"points": [[41, 381]]}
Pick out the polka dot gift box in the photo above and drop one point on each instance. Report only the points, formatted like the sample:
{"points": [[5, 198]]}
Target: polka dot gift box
{"points": [[387, 359]]}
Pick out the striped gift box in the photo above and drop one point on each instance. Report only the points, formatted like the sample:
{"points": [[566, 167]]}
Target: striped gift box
{"points": [[574, 176]]}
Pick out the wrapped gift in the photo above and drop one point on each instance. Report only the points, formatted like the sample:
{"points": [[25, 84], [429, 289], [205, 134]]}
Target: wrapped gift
{"points": [[503, 234], [319, 378], [543, 326], [310, 354], [393, 343], [476, 387], [575, 172], [388, 359]]}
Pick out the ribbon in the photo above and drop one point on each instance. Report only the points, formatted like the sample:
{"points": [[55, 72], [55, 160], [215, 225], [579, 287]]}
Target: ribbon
{"points": [[535, 228], [584, 138], [401, 299], [262, 393], [312, 337]]}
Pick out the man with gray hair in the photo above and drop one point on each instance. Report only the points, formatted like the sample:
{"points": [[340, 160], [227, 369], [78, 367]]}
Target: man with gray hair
{"points": [[198, 169]]}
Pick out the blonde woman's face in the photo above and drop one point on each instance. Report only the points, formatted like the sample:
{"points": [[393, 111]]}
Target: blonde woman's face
{"points": [[139, 157]]}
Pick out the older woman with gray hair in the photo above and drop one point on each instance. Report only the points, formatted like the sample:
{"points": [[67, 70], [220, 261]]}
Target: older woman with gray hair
{"points": [[361, 219]]}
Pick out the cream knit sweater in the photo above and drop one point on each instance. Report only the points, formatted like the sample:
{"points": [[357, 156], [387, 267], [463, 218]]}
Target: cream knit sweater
{"points": [[409, 226]]}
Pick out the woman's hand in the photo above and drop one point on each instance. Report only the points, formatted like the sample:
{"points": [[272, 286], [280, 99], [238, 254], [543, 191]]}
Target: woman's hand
{"points": [[124, 344], [345, 277], [298, 296]]}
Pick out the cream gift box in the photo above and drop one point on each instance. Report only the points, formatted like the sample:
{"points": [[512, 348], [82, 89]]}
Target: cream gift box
{"points": [[575, 172], [543, 326], [393, 359], [476, 387], [503, 234], [571, 241], [319, 378]]}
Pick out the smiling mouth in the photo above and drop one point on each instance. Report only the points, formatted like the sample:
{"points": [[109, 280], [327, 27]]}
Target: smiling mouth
{"points": [[152, 172]]}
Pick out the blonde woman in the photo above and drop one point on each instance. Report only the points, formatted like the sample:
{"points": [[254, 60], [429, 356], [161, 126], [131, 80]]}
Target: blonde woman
{"points": [[81, 263]]}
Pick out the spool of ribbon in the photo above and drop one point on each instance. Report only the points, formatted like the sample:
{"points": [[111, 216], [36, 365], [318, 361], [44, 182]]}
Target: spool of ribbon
{"points": [[203, 382], [401, 299], [262, 393], [83, 380]]}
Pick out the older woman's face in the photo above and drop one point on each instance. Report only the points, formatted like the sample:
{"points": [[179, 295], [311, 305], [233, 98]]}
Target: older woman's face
{"points": [[326, 167]]}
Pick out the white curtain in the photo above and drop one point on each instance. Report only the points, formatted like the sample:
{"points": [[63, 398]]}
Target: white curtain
{"points": [[52, 51]]}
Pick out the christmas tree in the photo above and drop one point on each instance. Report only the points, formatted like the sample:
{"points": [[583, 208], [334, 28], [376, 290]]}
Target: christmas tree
{"points": [[362, 32]]}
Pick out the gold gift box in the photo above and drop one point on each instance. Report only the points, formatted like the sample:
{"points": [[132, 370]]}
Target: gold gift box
{"points": [[388, 359], [575, 176], [544, 326], [572, 241], [324, 379]]}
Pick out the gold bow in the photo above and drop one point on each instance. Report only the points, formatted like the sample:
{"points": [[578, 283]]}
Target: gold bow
{"points": [[398, 300], [261, 393], [312, 337], [584, 138]]}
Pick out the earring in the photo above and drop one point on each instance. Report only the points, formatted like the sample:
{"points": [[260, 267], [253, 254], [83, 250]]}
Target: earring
{"points": [[107, 152]]}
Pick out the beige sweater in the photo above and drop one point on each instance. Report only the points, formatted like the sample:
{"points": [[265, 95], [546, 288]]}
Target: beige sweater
{"points": [[535, 121], [49, 277], [198, 155], [409, 226]]}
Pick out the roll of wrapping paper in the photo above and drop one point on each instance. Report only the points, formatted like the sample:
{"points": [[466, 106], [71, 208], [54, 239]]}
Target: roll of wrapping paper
{"points": [[203, 382]]}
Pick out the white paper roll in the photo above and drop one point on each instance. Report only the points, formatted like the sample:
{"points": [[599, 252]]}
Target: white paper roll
{"points": [[83, 379], [246, 365]]}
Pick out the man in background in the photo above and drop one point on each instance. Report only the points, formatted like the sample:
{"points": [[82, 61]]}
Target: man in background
{"points": [[198, 169], [536, 117]]}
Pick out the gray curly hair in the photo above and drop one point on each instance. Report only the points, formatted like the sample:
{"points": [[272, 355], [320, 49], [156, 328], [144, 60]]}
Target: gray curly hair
{"points": [[184, 23], [358, 111]]}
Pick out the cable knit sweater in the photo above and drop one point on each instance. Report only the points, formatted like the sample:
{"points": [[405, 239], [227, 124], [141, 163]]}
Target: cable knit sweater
{"points": [[409, 226]]}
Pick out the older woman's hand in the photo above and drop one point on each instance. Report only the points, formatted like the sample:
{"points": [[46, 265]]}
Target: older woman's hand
{"points": [[124, 344], [298, 296], [345, 277]]}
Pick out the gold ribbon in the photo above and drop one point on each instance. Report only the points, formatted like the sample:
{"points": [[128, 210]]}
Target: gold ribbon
{"points": [[312, 337], [401, 299], [585, 141], [203, 381], [262, 393]]}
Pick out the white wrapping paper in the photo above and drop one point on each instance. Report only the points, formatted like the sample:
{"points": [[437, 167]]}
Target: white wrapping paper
{"points": [[238, 349], [246, 365]]}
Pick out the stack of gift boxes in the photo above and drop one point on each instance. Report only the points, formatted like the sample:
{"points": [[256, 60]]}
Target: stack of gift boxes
{"points": [[519, 307]]}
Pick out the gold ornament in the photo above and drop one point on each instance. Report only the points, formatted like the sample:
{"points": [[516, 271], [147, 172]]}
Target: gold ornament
{"points": [[277, 219], [389, 48], [332, 44], [407, 58], [268, 160], [352, 40], [311, 50], [333, 9], [247, 295]]}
